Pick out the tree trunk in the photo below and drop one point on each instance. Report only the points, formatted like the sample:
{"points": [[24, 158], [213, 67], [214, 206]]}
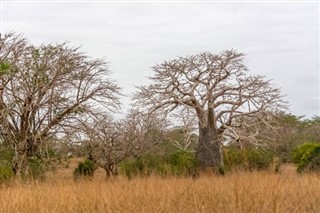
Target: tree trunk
{"points": [[209, 153], [20, 163], [111, 170]]}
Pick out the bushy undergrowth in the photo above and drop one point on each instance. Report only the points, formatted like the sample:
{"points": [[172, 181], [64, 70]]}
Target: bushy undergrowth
{"points": [[37, 168], [6, 172], [307, 157], [180, 163], [247, 159], [85, 169]]}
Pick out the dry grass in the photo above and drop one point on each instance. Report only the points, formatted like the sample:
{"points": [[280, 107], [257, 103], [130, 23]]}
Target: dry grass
{"points": [[239, 192]]}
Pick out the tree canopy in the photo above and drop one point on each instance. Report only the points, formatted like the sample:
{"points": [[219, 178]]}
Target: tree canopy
{"points": [[220, 91], [47, 91]]}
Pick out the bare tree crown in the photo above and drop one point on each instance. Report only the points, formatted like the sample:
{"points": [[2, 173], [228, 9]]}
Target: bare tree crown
{"points": [[47, 90], [217, 86]]}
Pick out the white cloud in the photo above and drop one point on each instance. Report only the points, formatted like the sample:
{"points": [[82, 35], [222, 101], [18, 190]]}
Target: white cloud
{"points": [[281, 39]]}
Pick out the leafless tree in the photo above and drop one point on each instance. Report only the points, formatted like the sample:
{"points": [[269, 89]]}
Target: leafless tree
{"points": [[219, 90], [47, 91], [183, 134], [255, 131], [109, 142]]}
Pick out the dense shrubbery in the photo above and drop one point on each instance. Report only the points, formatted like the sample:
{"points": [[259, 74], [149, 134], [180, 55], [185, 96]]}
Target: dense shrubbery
{"points": [[37, 168], [307, 157], [6, 172], [180, 163], [85, 169], [247, 159], [6, 155], [37, 165]]}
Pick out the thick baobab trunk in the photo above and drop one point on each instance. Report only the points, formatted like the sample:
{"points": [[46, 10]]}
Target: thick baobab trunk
{"points": [[209, 153]]}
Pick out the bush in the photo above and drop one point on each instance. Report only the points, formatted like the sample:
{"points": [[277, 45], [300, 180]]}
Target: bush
{"points": [[307, 157], [6, 172], [85, 169], [132, 168], [183, 163], [247, 159], [36, 168], [145, 166], [179, 163], [6, 156]]}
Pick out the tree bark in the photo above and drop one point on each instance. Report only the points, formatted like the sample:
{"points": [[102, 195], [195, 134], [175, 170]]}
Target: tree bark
{"points": [[23, 152], [209, 153], [20, 163], [111, 170]]}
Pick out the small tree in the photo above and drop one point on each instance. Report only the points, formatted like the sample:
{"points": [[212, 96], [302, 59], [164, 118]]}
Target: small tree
{"points": [[109, 142], [218, 88], [47, 91]]}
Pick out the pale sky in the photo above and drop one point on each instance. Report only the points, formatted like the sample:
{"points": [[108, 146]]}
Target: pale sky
{"points": [[281, 40]]}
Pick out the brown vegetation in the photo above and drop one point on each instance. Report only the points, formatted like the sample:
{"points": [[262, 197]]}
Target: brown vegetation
{"points": [[238, 192]]}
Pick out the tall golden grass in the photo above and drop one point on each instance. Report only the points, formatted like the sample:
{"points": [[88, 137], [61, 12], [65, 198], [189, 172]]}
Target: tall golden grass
{"points": [[237, 192]]}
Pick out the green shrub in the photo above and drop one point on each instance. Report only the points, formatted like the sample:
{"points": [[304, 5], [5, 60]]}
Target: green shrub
{"points": [[37, 168], [183, 163], [6, 172], [298, 152], [247, 159], [85, 169], [180, 163], [6, 156], [307, 157], [132, 168], [145, 165]]}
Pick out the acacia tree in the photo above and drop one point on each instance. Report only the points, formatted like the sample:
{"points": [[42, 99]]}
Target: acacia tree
{"points": [[47, 91], [219, 90]]}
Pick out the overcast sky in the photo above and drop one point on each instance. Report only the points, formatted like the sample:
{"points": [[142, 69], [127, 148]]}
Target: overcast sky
{"points": [[281, 40]]}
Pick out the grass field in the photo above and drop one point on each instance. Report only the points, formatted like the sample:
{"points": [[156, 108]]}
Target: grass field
{"points": [[237, 192]]}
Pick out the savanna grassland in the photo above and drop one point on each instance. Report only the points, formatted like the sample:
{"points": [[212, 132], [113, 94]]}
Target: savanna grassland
{"points": [[235, 192]]}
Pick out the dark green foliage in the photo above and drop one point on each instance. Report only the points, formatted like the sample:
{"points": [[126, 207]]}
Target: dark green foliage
{"points": [[183, 163], [6, 172], [247, 159], [6, 155], [4, 67], [131, 168], [180, 163], [85, 169], [37, 168], [307, 157]]}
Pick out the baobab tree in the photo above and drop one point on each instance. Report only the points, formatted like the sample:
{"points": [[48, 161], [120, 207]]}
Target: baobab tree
{"points": [[47, 91], [219, 89]]}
